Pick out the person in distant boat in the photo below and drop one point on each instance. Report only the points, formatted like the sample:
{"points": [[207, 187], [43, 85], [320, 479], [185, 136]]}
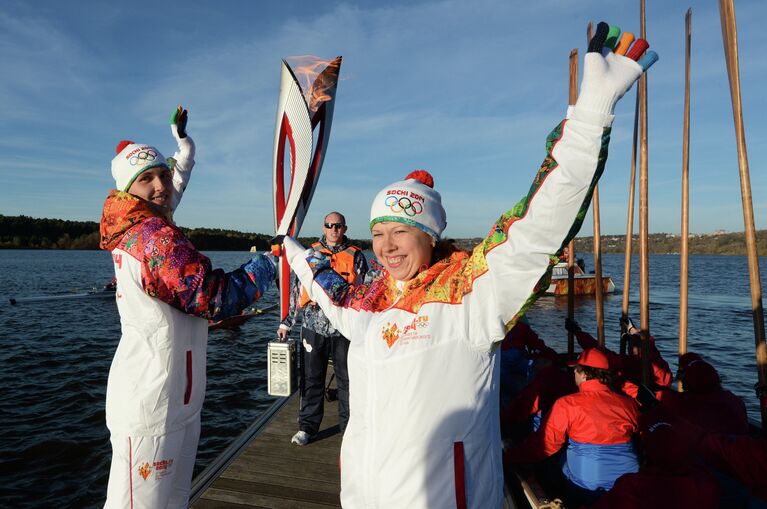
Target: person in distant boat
{"points": [[579, 267], [597, 425], [166, 292], [423, 360], [320, 340]]}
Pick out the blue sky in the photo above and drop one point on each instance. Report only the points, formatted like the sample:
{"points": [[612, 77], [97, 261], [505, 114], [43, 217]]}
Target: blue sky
{"points": [[467, 90]]}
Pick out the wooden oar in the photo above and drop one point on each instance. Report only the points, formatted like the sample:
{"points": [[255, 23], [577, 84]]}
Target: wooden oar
{"points": [[644, 273], [629, 230], [95, 293], [598, 289], [683, 251], [573, 89], [730, 40]]}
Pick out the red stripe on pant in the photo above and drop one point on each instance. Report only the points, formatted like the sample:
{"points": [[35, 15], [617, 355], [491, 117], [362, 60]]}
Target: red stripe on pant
{"points": [[130, 470], [460, 484]]}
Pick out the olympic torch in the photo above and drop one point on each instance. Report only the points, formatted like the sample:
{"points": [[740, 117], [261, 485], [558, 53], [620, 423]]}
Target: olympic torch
{"points": [[302, 132]]}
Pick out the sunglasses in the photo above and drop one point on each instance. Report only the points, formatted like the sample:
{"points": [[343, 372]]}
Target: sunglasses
{"points": [[336, 226]]}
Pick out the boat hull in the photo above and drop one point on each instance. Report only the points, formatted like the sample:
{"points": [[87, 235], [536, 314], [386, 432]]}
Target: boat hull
{"points": [[585, 284]]}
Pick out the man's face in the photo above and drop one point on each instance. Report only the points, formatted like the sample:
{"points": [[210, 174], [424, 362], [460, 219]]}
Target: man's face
{"points": [[334, 229], [155, 186]]}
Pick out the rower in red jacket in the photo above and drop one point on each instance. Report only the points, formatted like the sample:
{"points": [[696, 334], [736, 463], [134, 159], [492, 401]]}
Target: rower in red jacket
{"points": [[596, 423], [705, 402], [628, 366]]}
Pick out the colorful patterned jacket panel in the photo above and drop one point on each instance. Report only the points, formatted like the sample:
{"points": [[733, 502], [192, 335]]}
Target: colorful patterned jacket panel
{"points": [[172, 269], [311, 316]]}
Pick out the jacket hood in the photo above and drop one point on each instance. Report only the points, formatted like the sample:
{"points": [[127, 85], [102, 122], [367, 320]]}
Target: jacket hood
{"points": [[122, 211]]}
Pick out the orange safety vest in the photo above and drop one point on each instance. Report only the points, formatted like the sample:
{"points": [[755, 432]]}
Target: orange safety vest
{"points": [[342, 262]]}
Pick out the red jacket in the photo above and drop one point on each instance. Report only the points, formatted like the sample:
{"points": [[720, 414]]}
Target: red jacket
{"points": [[741, 456], [593, 415], [630, 366], [719, 411], [651, 487]]}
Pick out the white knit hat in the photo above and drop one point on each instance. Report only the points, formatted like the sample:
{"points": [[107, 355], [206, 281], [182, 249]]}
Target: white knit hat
{"points": [[132, 160], [412, 201]]}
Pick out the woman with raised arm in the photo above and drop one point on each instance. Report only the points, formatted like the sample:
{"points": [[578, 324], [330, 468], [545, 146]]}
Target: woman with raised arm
{"points": [[423, 371]]}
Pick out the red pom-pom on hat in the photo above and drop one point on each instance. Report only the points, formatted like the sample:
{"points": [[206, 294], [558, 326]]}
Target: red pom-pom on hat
{"points": [[422, 176], [122, 145]]}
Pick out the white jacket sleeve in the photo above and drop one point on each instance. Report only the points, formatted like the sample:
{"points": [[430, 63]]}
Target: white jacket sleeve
{"points": [[182, 166], [341, 318], [512, 266]]}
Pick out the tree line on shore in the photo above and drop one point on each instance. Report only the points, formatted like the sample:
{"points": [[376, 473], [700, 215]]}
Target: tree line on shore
{"points": [[24, 232]]}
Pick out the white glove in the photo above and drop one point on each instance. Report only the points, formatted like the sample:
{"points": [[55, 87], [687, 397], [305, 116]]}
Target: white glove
{"points": [[606, 78]]}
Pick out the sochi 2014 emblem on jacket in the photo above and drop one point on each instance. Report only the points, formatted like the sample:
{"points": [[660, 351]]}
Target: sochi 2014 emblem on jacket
{"points": [[414, 330], [144, 470]]}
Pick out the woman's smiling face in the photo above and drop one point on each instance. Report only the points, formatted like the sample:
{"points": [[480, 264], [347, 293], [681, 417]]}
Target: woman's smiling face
{"points": [[403, 250], [155, 185]]}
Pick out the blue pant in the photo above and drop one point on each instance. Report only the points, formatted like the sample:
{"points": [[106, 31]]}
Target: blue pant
{"points": [[316, 351]]}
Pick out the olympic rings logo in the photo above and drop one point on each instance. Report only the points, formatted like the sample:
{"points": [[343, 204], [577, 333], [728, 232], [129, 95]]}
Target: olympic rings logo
{"points": [[143, 158], [403, 204]]}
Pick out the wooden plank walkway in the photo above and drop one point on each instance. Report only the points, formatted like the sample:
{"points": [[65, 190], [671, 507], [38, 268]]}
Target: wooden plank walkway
{"points": [[273, 473]]}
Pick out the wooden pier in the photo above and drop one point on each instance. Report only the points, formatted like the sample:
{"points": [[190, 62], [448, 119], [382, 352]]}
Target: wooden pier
{"points": [[267, 471], [262, 469]]}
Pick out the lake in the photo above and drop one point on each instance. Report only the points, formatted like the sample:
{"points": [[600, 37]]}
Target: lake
{"points": [[55, 356]]}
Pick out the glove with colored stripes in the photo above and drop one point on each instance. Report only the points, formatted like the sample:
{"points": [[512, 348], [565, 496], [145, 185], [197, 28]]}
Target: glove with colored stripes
{"points": [[178, 122], [612, 65]]}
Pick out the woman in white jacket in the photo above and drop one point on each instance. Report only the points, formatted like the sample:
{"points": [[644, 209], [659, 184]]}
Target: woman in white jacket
{"points": [[424, 426]]}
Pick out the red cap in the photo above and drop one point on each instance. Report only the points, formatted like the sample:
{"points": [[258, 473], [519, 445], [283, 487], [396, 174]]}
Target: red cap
{"points": [[700, 376], [593, 358]]}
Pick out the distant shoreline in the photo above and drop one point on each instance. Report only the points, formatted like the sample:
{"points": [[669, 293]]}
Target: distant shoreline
{"points": [[24, 232]]}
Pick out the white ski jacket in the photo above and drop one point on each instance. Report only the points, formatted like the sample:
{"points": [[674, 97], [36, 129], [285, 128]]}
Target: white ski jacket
{"points": [[423, 377], [166, 293]]}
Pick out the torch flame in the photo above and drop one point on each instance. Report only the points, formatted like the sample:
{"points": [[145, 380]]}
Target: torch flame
{"points": [[316, 76]]}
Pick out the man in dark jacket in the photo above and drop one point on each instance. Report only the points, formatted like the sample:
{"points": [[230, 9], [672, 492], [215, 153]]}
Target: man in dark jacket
{"points": [[319, 339]]}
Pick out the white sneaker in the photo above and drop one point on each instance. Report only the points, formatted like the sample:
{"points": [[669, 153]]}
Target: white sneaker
{"points": [[300, 438]]}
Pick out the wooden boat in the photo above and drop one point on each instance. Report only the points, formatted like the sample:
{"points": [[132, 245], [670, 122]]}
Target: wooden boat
{"points": [[585, 284]]}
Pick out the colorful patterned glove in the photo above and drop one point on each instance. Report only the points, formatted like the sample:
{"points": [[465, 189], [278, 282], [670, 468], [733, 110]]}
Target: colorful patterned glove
{"points": [[178, 121], [611, 67], [261, 270]]}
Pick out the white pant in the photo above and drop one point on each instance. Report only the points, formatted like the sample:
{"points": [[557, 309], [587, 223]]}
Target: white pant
{"points": [[153, 472]]}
